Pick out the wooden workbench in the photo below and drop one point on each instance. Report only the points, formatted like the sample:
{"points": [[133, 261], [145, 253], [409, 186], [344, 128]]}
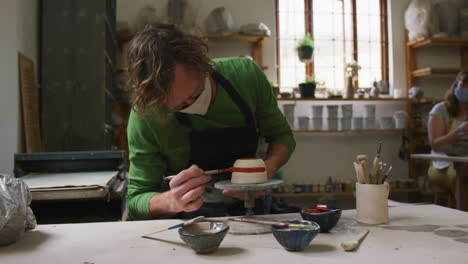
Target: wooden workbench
{"points": [[415, 235]]}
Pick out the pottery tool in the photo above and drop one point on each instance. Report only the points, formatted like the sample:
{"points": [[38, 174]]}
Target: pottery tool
{"points": [[231, 169], [353, 244], [362, 160], [359, 173], [186, 223], [386, 174], [375, 164], [272, 223]]}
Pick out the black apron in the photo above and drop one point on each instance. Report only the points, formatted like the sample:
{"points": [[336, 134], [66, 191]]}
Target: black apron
{"points": [[218, 148]]}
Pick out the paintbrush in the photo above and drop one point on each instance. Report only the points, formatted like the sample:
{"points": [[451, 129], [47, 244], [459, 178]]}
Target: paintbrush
{"points": [[386, 174], [353, 244], [362, 160], [231, 169], [375, 165], [186, 223], [272, 223]]}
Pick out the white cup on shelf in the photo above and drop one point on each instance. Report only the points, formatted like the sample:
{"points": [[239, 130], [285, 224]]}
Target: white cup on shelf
{"points": [[358, 123], [303, 122], [317, 123], [386, 122], [369, 110], [345, 123], [369, 123], [317, 111], [332, 123], [332, 111]]}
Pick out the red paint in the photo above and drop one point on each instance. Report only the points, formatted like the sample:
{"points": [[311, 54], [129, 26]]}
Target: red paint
{"points": [[248, 170], [322, 207], [312, 211]]}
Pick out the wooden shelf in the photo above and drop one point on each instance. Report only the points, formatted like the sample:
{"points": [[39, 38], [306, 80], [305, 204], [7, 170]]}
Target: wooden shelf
{"points": [[430, 71], [318, 194], [344, 99], [350, 131], [427, 101], [255, 40], [448, 42], [236, 37], [420, 130]]}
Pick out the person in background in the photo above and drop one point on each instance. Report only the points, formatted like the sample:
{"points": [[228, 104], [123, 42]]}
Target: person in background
{"points": [[192, 114], [448, 134]]}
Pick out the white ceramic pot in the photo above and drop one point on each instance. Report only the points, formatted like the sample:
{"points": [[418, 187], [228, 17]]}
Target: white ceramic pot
{"points": [[372, 203], [249, 177]]}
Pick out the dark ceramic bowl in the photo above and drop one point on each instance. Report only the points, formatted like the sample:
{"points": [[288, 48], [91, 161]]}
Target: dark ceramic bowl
{"points": [[326, 220], [296, 239], [204, 237]]}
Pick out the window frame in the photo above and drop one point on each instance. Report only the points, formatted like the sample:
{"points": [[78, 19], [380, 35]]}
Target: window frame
{"points": [[308, 23]]}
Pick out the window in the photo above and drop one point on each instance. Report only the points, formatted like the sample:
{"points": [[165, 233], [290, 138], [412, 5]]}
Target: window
{"points": [[343, 31]]}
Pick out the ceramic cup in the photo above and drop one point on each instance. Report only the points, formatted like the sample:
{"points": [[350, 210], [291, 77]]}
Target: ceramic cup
{"points": [[289, 109], [332, 123], [347, 110], [369, 110], [332, 111], [317, 111], [289, 113], [372, 203], [317, 123], [357, 123], [369, 123], [386, 122], [303, 122], [401, 119], [345, 123]]}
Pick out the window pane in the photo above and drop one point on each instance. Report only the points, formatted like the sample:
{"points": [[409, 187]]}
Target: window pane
{"points": [[369, 49], [333, 38], [330, 42], [291, 15]]}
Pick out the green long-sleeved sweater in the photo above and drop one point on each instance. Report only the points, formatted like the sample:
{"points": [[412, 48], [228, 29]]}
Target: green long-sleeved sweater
{"points": [[158, 150]]}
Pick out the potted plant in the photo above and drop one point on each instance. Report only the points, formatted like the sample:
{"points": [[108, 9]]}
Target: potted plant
{"points": [[305, 49], [307, 88]]}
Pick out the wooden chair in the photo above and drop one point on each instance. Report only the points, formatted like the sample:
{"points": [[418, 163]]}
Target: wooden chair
{"points": [[441, 195]]}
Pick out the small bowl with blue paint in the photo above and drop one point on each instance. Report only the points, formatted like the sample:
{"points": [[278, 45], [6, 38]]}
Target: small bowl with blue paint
{"points": [[296, 238], [325, 219], [204, 237]]}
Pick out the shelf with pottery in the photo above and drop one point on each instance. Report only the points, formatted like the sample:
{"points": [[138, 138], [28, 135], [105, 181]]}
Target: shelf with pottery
{"points": [[256, 41], [411, 64], [318, 194], [351, 131], [413, 74], [433, 71], [447, 42], [345, 99]]}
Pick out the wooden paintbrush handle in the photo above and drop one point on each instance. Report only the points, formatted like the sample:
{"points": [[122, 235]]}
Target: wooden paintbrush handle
{"points": [[211, 172]]}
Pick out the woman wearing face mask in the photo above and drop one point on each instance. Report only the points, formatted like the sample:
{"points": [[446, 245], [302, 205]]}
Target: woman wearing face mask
{"points": [[448, 134], [192, 114]]}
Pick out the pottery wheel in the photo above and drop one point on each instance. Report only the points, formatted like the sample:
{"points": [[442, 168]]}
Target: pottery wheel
{"points": [[249, 203]]}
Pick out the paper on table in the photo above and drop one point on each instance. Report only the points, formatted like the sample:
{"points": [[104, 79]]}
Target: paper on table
{"points": [[70, 179]]}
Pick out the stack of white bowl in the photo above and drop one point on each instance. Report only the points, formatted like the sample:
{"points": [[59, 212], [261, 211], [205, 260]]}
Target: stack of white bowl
{"points": [[317, 117], [401, 119], [346, 116], [369, 116], [332, 117], [289, 113], [303, 122], [386, 122], [357, 123]]}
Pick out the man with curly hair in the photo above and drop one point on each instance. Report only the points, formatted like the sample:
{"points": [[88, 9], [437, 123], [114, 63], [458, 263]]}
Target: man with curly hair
{"points": [[192, 114]]}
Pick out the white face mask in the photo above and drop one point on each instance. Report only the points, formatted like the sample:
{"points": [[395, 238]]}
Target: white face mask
{"points": [[201, 105]]}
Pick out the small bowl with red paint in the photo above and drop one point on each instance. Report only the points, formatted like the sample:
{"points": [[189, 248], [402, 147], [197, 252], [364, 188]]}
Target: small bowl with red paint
{"points": [[325, 219]]}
